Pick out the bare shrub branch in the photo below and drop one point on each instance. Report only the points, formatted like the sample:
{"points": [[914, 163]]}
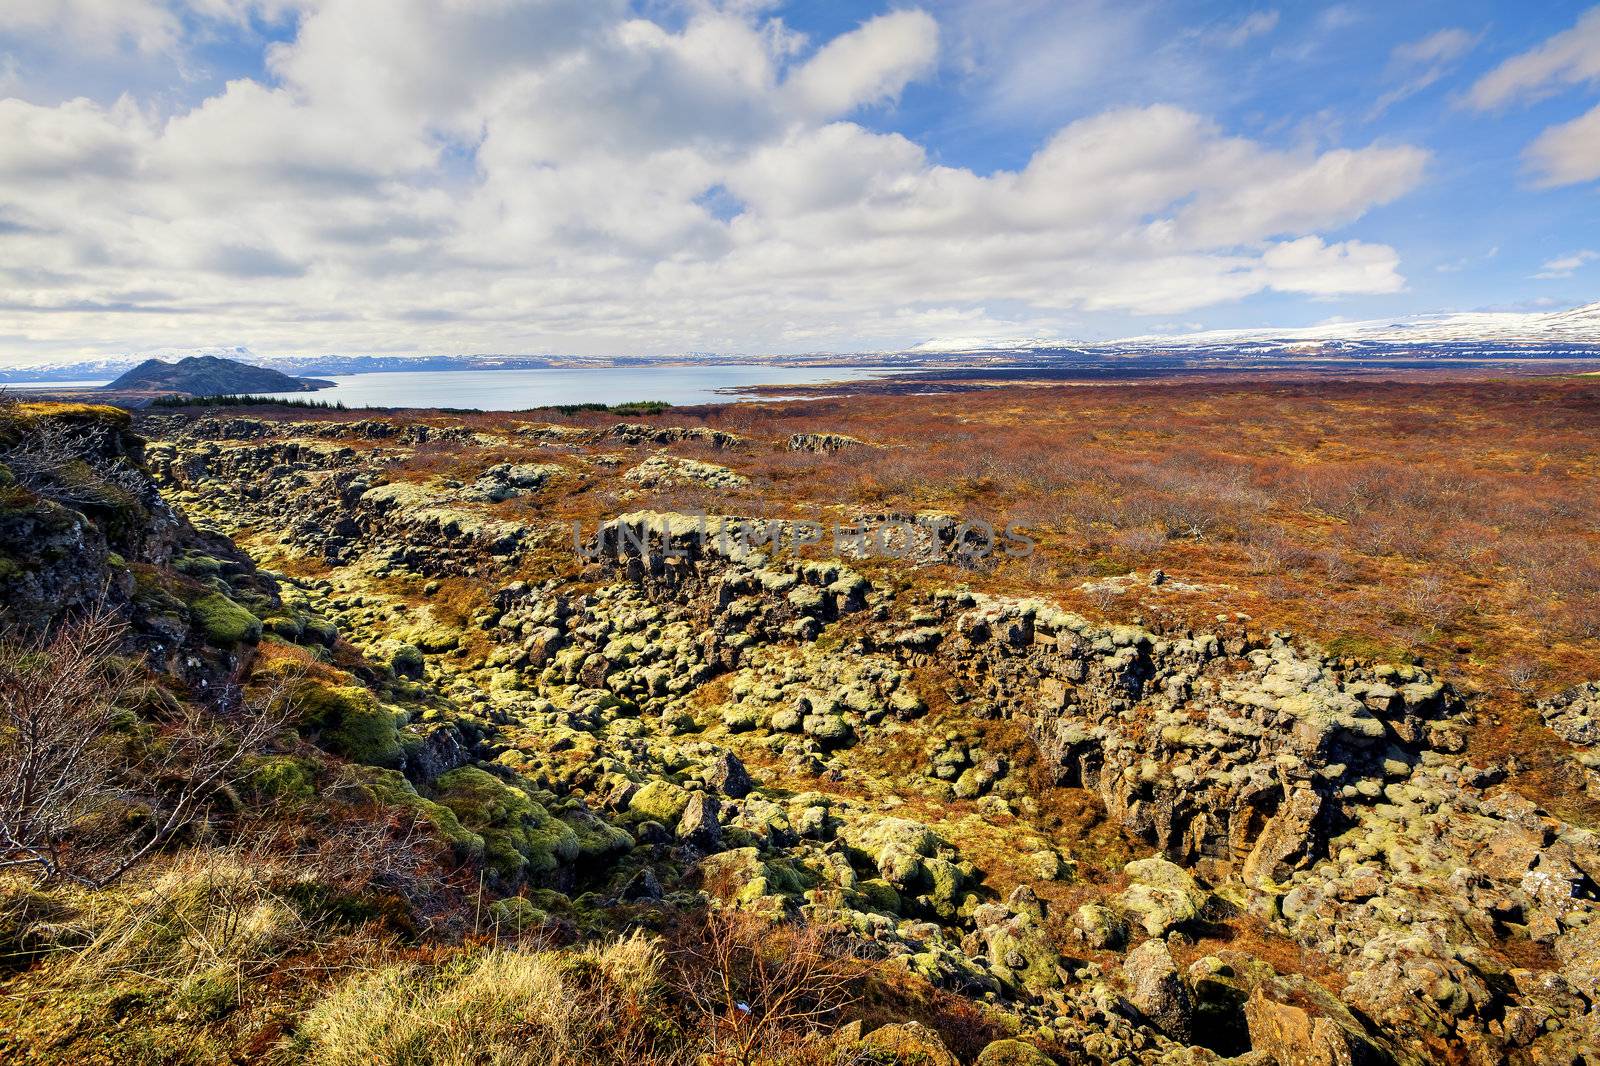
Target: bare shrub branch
{"points": [[86, 791]]}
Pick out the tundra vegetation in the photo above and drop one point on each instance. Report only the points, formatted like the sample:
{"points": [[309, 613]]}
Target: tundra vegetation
{"points": [[320, 742]]}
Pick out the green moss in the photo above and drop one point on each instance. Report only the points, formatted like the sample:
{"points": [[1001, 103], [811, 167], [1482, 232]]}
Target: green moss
{"points": [[1364, 647], [350, 722], [319, 630], [516, 914], [282, 625], [1106, 566], [880, 895], [406, 661], [281, 777], [152, 592], [659, 801], [519, 835], [1013, 1053], [598, 839], [224, 622], [435, 639], [389, 788], [197, 565]]}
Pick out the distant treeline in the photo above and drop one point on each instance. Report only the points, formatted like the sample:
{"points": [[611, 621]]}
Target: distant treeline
{"points": [[633, 407], [244, 401]]}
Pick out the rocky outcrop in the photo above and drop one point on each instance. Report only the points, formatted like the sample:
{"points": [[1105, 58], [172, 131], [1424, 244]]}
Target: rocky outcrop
{"points": [[1574, 715], [665, 471], [221, 428], [636, 433], [823, 443]]}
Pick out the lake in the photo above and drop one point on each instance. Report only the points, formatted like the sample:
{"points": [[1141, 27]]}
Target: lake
{"points": [[516, 390]]}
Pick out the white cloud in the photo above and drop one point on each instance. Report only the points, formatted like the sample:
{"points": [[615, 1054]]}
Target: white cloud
{"points": [[1419, 65], [1442, 46], [1256, 24], [1568, 153], [1569, 58], [870, 64], [1565, 266], [98, 26], [519, 176]]}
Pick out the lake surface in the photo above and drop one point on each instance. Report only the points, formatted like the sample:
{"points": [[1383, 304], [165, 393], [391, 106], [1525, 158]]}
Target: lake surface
{"points": [[516, 390]]}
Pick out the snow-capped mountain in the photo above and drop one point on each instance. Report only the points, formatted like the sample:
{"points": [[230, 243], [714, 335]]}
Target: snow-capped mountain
{"points": [[1578, 325]]}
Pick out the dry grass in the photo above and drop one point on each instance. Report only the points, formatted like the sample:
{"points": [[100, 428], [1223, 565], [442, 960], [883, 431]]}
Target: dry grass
{"points": [[504, 1007]]}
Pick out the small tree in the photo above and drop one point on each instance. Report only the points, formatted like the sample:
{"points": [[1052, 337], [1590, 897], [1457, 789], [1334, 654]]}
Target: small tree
{"points": [[86, 790]]}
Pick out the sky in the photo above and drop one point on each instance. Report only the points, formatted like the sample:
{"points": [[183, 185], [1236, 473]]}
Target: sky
{"points": [[610, 177]]}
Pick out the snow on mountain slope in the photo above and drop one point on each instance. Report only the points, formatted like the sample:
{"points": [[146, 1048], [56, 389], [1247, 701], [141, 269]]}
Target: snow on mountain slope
{"points": [[1577, 325]]}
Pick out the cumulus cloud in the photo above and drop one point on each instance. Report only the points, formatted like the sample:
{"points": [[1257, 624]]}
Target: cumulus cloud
{"points": [[568, 175], [866, 65]]}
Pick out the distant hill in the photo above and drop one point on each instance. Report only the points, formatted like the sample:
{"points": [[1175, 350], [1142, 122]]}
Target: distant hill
{"points": [[209, 375]]}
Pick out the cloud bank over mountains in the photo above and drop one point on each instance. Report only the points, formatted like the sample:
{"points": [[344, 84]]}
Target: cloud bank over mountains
{"points": [[601, 176]]}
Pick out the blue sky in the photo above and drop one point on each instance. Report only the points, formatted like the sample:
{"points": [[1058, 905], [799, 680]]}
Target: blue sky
{"points": [[607, 176]]}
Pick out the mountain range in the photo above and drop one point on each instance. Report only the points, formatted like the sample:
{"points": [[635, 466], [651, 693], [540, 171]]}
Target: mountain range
{"points": [[1543, 334]]}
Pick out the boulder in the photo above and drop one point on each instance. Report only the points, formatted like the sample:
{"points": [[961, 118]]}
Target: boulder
{"points": [[1156, 992], [1163, 895], [729, 777], [700, 825], [659, 801], [1294, 1038], [1013, 1053], [1288, 842], [906, 1044]]}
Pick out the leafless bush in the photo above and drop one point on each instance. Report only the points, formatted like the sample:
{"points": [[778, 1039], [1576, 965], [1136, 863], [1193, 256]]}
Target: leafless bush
{"points": [[1523, 674], [85, 794], [1430, 599], [71, 465], [1140, 543], [761, 990]]}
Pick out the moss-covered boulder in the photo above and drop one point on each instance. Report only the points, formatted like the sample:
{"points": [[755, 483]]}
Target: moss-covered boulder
{"points": [[1161, 895], [1013, 1053], [659, 801], [405, 660], [1021, 954], [739, 876], [521, 838], [222, 621], [389, 788], [349, 721], [904, 1044], [516, 915], [286, 778], [598, 839]]}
